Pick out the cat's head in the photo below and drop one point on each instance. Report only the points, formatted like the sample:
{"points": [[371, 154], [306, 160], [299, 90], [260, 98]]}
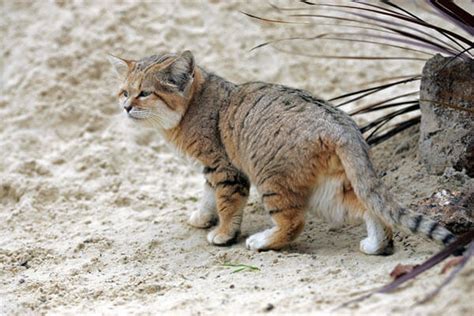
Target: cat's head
{"points": [[156, 90]]}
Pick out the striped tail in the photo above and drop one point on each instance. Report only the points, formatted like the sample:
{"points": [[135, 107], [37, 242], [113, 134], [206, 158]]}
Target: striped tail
{"points": [[371, 192], [418, 223]]}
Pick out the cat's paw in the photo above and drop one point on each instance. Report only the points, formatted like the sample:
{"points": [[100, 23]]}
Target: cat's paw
{"points": [[260, 241], [202, 219], [371, 246], [218, 238]]}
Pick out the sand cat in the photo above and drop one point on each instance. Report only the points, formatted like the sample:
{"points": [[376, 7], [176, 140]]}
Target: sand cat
{"points": [[296, 149]]}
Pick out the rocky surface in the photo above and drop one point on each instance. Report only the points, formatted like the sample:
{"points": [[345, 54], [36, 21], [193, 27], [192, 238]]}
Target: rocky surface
{"points": [[447, 120]]}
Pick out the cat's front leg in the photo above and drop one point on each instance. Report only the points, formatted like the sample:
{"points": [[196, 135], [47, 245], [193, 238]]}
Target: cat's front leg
{"points": [[232, 190], [206, 215]]}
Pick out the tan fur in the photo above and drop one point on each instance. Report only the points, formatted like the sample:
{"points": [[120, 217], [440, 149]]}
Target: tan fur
{"points": [[298, 150]]}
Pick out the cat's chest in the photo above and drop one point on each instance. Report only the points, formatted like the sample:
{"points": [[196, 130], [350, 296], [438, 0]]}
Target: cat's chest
{"points": [[190, 161]]}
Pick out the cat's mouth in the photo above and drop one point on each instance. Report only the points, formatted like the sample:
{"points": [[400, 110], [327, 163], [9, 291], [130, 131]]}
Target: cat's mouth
{"points": [[139, 114]]}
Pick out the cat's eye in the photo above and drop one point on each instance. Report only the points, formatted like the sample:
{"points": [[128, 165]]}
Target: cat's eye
{"points": [[144, 94], [125, 93]]}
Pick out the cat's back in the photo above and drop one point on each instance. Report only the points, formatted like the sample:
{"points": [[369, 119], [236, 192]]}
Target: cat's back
{"points": [[260, 106], [272, 100], [281, 121]]}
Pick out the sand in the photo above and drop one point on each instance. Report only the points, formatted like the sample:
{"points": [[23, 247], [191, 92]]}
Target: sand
{"points": [[93, 210]]}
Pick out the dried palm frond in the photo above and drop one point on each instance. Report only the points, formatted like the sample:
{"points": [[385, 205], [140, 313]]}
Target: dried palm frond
{"points": [[383, 23], [463, 244]]}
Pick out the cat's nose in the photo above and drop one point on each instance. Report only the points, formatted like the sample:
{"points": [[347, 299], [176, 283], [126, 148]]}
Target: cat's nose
{"points": [[128, 108]]}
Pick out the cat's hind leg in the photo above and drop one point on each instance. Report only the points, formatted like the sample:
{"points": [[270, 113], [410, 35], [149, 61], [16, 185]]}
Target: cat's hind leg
{"points": [[206, 215], [288, 211], [379, 234], [379, 237]]}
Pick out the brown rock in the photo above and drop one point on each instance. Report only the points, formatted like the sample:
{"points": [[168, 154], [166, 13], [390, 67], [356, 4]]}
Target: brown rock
{"points": [[447, 115]]}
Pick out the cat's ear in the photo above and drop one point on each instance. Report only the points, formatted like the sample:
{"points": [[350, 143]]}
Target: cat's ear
{"points": [[181, 71], [121, 66]]}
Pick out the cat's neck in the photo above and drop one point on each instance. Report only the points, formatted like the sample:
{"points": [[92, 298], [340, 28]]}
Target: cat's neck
{"points": [[210, 94], [211, 86]]}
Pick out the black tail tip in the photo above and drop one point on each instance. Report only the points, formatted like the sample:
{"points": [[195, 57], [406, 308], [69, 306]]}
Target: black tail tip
{"points": [[459, 251], [450, 238]]}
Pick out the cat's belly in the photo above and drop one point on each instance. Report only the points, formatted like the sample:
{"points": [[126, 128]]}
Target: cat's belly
{"points": [[327, 198], [334, 200]]}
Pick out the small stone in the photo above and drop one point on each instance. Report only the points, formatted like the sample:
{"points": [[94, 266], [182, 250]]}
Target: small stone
{"points": [[269, 307], [25, 264], [402, 147]]}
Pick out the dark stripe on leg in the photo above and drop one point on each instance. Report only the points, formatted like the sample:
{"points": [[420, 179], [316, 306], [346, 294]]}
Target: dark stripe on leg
{"points": [[243, 191], [275, 210], [208, 170], [231, 183], [210, 185], [265, 195]]}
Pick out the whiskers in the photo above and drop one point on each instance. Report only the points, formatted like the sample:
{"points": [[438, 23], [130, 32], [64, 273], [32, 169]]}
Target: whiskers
{"points": [[154, 120], [140, 113], [163, 118], [147, 118]]}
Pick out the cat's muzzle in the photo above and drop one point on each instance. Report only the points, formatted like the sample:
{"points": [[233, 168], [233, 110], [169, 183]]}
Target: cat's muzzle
{"points": [[138, 113]]}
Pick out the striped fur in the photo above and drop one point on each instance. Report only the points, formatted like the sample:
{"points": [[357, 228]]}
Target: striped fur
{"points": [[297, 150]]}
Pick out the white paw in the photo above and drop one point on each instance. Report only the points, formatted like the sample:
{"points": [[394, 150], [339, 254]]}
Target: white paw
{"points": [[259, 241], [369, 246], [201, 219], [219, 239]]}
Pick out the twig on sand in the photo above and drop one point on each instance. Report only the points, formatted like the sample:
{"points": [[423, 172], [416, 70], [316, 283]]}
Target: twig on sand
{"points": [[462, 241], [464, 259]]}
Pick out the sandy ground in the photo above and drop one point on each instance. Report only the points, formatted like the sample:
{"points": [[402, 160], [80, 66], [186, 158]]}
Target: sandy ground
{"points": [[93, 211]]}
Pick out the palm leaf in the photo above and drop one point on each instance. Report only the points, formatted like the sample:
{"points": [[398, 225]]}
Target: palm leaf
{"points": [[384, 23]]}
